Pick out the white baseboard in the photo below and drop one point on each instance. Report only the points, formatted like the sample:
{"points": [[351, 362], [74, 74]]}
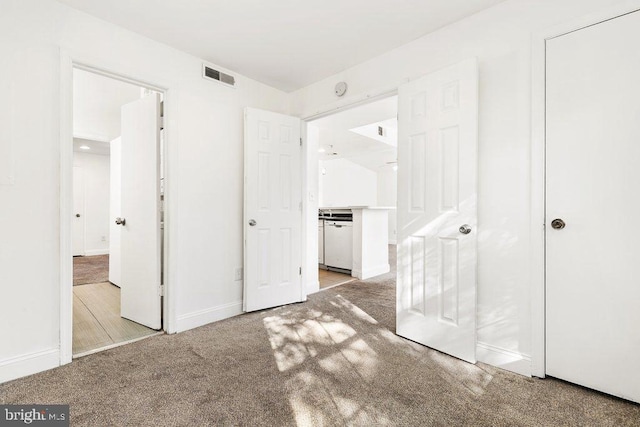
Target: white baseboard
{"points": [[209, 315], [93, 252], [503, 358], [371, 272], [29, 364]]}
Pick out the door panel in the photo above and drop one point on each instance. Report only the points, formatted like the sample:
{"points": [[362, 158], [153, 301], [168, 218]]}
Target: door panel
{"points": [[140, 196], [437, 191], [78, 211], [273, 199], [592, 292]]}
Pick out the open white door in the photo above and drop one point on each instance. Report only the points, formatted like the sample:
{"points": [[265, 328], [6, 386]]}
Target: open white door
{"points": [[115, 208], [437, 214], [140, 196], [78, 211], [272, 210]]}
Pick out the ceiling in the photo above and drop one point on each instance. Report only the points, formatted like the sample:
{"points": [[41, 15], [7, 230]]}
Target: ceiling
{"points": [[287, 44], [89, 146], [345, 133]]}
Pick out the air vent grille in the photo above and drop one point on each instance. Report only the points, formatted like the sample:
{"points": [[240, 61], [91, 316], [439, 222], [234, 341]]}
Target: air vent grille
{"points": [[210, 73]]}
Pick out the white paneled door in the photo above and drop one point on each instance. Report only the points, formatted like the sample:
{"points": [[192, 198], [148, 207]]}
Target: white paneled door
{"points": [[592, 236], [437, 213], [140, 216], [272, 210]]}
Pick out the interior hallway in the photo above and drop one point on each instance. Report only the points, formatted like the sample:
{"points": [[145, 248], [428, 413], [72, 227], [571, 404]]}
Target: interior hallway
{"points": [[333, 360], [96, 308]]}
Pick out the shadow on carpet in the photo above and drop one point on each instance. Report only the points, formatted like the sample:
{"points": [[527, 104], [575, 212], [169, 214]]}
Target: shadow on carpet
{"points": [[332, 360]]}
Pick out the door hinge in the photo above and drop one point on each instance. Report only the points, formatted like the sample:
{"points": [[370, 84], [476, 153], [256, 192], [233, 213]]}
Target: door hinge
{"points": [[161, 290], [300, 142], [300, 271]]}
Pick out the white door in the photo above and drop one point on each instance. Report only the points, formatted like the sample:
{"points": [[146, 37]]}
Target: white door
{"points": [[140, 196], [437, 214], [115, 208], [78, 211], [272, 210], [593, 158]]}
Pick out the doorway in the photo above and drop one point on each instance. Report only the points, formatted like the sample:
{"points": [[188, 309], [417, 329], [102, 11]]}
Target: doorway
{"points": [[356, 160], [117, 158], [592, 153]]}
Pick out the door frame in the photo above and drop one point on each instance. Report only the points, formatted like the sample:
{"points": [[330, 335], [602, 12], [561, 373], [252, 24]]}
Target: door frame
{"points": [[312, 156], [538, 170], [68, 63]]}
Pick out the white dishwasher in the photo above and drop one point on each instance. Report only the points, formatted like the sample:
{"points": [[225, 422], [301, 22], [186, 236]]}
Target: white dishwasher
{"points": [[338, 244], [321, 241]]}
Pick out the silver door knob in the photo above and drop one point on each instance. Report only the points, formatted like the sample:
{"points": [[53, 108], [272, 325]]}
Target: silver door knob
{"points": [[252, 222], [120, 221], [558, 224], [465, 229]]}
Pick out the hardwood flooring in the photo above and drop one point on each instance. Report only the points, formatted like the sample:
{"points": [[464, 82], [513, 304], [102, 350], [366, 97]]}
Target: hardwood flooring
{"points": [[329, 279], [96, 318]]}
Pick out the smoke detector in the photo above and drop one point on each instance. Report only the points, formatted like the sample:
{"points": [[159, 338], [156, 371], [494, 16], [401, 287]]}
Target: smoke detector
{"points": [[341, 88]]}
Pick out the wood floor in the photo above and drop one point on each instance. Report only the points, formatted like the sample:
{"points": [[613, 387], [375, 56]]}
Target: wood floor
{"points": [[96, 318], [330, 279]]}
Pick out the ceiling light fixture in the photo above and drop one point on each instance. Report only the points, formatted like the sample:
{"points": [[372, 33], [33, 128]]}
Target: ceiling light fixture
{"points": [[85, 147]]}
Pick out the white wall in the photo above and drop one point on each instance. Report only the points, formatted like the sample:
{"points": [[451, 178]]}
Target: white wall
{"points": [[204, 173], [501, 39], [96, 105], [95, 173], [344, 183], [388, 197]]}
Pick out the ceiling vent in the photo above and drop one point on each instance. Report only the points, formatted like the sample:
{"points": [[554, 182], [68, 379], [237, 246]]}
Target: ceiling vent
{"points": [[219, 76]]}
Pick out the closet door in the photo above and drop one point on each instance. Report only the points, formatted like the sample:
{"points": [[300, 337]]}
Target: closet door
{"points": [[593, 240]]}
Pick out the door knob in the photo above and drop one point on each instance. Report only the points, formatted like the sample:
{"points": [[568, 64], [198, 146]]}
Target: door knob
{"points": [[465, 229], [558, 224], [120, 221], [77, 215], [252, 222]]}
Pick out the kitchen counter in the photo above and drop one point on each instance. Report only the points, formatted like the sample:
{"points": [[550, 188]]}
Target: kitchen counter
{"points": [[343, 208]]}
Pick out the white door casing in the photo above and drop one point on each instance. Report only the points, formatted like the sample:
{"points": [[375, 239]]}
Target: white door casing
{"points": [[592, 157], [273, 200], [115, 208], [437, 195], [140, 198], [78, 211]]}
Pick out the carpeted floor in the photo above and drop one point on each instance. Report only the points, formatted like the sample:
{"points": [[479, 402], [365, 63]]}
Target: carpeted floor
{"points": [[333, 360], [90, 269]]}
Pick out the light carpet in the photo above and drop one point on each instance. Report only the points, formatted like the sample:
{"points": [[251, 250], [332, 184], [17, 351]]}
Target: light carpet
{"points": [[333, 360]]}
